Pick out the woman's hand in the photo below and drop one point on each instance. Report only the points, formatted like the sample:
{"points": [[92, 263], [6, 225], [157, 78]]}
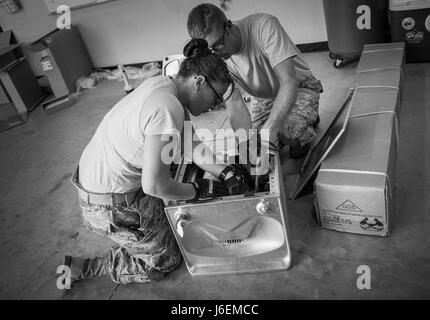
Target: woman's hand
{"points": [[208, 189]]}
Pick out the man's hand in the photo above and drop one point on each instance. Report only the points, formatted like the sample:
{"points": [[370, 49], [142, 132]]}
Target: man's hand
{"points": [[259, 146], [236, 179], [273, 132], [209, 189], [284, 101]]}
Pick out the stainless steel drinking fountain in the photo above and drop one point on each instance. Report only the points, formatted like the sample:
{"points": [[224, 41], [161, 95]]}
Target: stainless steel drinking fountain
{"points": [[235, 234]]}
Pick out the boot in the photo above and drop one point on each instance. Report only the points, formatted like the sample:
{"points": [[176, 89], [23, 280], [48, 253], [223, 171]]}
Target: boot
{"points": [[316, 123], [156, 275], [300, 151]]}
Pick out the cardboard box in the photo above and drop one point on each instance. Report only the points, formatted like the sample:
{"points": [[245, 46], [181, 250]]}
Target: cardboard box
{"points": [[354, 186], [355, 181], [382, 65], [380, 79], [382, 56]]}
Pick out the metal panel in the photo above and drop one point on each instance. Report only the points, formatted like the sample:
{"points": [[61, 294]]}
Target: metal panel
{"points": [[320, 151]]}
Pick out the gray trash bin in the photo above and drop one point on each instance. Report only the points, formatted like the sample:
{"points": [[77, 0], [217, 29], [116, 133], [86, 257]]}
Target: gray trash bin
{"points": [[351, 24]]}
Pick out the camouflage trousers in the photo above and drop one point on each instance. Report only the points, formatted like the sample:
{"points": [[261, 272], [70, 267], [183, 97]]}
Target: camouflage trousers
{"points": [[143, 234], [298, 128]]}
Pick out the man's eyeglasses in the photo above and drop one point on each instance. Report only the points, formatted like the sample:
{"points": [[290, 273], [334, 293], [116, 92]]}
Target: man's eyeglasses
{"points": [[219, 45]]}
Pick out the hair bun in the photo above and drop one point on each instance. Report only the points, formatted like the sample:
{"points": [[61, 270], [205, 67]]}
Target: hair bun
{"points": [[196, 47]]}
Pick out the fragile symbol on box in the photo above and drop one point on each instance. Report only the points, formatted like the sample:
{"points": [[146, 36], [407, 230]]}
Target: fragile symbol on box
{"points": [[374, 225], [348, 205]]}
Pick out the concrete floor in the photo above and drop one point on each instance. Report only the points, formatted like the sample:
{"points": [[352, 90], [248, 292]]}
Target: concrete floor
{"points": [[40, 217]]}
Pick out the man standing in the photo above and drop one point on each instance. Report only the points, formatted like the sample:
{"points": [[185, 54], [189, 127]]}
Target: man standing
{"points": [[268, 66]]}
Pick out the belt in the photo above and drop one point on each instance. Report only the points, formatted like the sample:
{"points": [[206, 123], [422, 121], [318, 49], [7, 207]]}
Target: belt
{"points": [[103, 199]]}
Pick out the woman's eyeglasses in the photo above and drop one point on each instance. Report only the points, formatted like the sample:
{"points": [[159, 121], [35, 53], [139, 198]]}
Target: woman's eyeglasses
{"points": [[219, 100]]}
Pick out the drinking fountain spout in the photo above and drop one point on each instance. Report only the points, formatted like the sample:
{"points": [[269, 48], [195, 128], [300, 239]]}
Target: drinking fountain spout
{"points": [[182, 219]]}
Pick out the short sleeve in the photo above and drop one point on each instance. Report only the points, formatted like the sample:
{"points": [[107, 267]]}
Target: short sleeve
{"points": [[164, 116], [276, 44]]}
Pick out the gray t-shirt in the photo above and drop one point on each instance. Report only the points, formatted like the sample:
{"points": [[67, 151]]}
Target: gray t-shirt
{"points": [[265, 44], [112, 161]]}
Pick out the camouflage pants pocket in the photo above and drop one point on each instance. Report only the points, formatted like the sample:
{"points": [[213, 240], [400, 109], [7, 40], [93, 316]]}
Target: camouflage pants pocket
{"points": [[158, 247], [306, 106], [145, 240], [125, 266], [298, 126], [97, 218], [312, 84], [301, 118]]}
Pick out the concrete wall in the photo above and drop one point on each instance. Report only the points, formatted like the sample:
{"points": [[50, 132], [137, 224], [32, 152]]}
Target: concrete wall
{"points": [[135, 31]]}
